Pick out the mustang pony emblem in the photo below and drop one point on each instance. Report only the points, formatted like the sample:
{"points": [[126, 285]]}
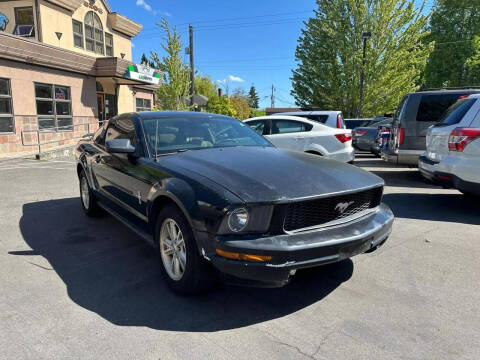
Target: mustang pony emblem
{"points": [[342, 207]]}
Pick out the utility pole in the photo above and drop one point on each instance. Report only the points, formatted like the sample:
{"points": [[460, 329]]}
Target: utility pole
{"points": [[192, 69], [365, 36], [272, 98]]}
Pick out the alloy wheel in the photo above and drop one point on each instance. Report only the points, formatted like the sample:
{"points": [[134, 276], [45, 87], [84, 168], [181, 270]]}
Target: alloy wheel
{"points": [[84, 192], [172, 249]]}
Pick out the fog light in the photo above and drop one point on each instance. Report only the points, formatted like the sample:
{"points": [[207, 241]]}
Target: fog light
{"points": [[238, 220], [243, 257]]}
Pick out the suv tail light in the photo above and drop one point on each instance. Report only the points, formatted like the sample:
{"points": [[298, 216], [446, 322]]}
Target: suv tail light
{"points": [[339, 122], [401, 136], [461, 137], [343, 138], [360, 132]]}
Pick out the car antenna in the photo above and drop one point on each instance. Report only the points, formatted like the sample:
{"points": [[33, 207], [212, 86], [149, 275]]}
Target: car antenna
{"points": [[156, 141]]}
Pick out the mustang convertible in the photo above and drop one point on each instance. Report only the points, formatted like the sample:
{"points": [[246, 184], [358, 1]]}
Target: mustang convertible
{"points": [[217, 200]]}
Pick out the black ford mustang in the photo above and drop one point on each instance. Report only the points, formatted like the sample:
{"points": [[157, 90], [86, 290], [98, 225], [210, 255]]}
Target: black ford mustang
{"points": [[216, 199]]}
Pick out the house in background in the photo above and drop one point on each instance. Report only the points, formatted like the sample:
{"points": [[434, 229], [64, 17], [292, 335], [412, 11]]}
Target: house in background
{"points": [[65, 65]]}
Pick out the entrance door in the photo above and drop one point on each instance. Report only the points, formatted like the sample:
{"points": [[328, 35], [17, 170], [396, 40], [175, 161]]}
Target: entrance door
{"points": [[101, 106]]}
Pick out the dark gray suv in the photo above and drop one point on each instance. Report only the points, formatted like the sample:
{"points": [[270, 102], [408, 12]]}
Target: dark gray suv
{"points": [[416, 113]]}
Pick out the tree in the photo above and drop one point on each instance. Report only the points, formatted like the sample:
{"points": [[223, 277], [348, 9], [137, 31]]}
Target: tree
{"points": [[176, 82], [453, 26], [145, 61], [472, 64], [253, 97], [329, 55], [220, 105], [205, 86], [241, 107]]}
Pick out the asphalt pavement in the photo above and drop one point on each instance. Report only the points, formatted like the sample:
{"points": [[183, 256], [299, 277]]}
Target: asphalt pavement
{"points": [[78, 288]]}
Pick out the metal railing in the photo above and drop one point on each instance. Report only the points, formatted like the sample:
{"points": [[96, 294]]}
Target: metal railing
{"points": [[60, 130]]}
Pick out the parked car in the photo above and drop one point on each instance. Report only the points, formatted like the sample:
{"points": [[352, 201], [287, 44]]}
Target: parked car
{"points": [[330, 118], [354, 123], [452, 158], [214, 198], [364, 137], [415, 114], [299, 134]]}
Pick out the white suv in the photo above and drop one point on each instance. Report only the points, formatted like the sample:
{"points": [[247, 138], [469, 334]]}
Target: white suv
{"points": [[452, 158]]}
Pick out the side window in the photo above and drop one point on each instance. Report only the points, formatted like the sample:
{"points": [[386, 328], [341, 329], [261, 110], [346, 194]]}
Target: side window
{"points": [[432, 107], [258, 126], [456, 112], [289, 126], [122, 128]]}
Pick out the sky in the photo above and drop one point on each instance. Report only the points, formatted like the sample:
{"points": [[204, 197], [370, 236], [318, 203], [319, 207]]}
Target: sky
{"points": [[242, 42]]}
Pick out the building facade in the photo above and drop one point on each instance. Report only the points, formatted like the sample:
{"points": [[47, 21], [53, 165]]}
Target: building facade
{"points": [[65, 65]]}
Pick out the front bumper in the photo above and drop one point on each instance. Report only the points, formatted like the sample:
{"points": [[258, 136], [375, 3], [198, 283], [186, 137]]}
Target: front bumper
{"points": [[302, 250]]}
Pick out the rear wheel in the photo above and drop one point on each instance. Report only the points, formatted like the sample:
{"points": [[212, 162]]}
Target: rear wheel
{"points": [[88, 200], [185, 271]]}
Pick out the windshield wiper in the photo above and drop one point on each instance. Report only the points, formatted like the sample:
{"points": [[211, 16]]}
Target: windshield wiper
{"points": [[171, 152]]}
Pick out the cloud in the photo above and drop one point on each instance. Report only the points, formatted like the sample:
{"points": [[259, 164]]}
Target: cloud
{"points": [[235, 78], [146, 6]]}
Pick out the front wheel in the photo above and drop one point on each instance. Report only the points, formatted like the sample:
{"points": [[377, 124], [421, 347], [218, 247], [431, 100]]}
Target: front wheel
{"points": [[185, 271]]}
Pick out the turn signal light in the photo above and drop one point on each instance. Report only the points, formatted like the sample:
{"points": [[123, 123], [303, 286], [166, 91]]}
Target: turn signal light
{"points": [[343, 137], [401, 137], [461, 137], [243, 257]]}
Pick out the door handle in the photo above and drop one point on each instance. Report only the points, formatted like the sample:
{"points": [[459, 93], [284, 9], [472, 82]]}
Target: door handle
{"points": [[298, 137]]}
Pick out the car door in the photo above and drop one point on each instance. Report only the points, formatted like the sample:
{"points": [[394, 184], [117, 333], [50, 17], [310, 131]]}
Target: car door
{"points": [[289, 134], [119, 175]]}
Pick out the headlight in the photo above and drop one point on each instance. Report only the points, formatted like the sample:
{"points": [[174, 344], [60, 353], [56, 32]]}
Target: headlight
{"points": [[238, 220]]}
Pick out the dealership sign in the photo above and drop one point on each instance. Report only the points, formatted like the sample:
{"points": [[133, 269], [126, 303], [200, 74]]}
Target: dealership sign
{"points": [[143, 73]]}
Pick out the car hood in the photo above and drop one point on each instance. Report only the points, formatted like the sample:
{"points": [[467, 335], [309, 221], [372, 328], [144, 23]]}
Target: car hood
{"points": [[257, 174]]}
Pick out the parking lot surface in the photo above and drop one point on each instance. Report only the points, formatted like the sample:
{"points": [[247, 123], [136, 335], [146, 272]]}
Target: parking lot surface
{"points": [[74, 287]]}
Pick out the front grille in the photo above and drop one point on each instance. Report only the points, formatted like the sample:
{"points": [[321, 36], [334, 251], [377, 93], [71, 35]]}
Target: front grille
{"points": [[310, 213]]}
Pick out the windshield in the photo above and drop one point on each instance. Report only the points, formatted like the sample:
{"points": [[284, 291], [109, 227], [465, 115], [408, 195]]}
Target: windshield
{"points": [[167, 134]]}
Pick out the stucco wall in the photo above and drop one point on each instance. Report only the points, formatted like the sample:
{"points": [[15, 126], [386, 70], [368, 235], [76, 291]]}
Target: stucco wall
{"points": [[7, 9], [125, 99], [56, 19], [23, 76]]}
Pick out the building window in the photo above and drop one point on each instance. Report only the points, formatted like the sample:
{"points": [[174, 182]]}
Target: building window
{"points": [[108, 44], [77, 33], [144, 104], [54, 107], [24, 23], [6, 110], [94, 33]]}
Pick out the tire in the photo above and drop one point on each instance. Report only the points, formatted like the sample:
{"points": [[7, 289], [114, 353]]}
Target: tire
{"points": [[184, 270], [87, 199]]}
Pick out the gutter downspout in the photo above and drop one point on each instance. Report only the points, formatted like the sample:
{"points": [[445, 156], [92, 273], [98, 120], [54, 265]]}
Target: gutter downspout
{"points": [[39, 23]]}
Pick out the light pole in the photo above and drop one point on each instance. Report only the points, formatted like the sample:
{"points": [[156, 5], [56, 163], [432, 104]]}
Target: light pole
{"points": [[365, 36]]}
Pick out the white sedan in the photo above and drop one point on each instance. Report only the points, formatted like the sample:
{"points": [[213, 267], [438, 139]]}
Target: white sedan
{"points": [[299, 134]]}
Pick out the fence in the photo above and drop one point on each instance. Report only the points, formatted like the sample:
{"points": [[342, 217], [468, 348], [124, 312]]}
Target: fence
{"points": [[58, 136]]}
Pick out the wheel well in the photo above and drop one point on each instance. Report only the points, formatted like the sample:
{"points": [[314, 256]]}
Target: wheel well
{"points": [[313, 152], [158, 204]]}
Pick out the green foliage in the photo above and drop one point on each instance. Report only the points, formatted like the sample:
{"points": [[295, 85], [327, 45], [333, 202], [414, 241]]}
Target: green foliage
{"points": [[205, 86], [253, 97], [175, 83], [329, 53], [257, 113], [220, 105], [453, 26], [240, 104], [472, 64]]}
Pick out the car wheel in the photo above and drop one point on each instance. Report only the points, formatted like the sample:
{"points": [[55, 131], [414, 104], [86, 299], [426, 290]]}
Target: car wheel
{"points": [[185, 271], [88, 200]]}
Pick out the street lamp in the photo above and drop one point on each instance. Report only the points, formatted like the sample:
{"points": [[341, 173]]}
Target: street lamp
{"points": [[365, 36]]}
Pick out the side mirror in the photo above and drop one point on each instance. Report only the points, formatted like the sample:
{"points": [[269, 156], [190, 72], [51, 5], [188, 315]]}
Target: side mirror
{"points": [[119, 146]]}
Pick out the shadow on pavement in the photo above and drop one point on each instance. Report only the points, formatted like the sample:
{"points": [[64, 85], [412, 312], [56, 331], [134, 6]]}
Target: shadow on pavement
{"points": [[109, 271], [435, 207]]}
